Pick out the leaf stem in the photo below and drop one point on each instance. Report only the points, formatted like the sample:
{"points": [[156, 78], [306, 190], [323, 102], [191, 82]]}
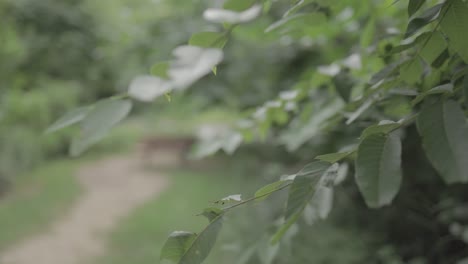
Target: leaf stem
{"points": [[255, 198], [406, 122]]}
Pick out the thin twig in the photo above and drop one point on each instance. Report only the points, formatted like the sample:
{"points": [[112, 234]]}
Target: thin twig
{"points": [[255, 198]]}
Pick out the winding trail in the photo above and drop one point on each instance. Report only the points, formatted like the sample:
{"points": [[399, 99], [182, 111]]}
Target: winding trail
{"points": [[113, 187]]}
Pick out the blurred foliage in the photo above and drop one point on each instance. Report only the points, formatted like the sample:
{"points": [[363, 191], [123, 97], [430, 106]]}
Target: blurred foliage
{"points": [[55, 55], [381, 87]]}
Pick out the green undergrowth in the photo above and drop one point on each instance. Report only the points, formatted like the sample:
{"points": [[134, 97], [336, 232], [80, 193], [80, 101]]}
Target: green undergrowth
{"points": [[36, 198], [140, 236]]}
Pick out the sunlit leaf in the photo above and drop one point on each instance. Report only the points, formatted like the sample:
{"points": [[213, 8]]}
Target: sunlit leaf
{"points": [[148, 88], [329, 70], [192, 63], [342, 173], [322, 201], [219, 15], [232, 198], [232, 142]]}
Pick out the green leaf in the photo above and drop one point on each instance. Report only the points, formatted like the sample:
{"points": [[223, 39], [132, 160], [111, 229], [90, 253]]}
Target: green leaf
{"points": [[378, 172], [176, 245], [232, 142], [70, 118], [344, 83], [444, 131], [361, 110], [208, 39], [218, 15], [441, 89], [313, 169], [296, 136], [334, 157], [309, 18], [309, 6], [387, 71], [465, 89], [266, 251], [368, 34], [98, 122], [383, 128], [191, 63], [212, 213], [426, 17], [269, 189], [238, 5], [453, 24], [322, 201], [160, 69], [414, 5], [433, 46], [302, 187], [148, 88], [204, 242], [441, 59], [284, 228], [189, 248], [302, 191], [411, 71], [232, 198]]}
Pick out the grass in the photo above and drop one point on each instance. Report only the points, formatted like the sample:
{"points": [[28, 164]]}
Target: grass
{"points": [[36, 199], [139, 238]]}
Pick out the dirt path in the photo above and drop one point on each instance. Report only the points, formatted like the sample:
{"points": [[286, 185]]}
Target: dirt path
{"points": [[112, 188]]}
